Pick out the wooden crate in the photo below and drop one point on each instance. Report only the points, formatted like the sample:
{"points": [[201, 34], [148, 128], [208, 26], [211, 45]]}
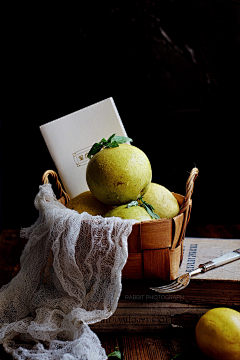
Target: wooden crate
{"points": [[155, 247]]}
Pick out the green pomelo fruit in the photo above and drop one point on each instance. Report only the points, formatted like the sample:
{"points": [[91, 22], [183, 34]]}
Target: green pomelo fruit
{"points": [[162, 200], [133, 212], [116, 176], [87, 202], [218, 334]]}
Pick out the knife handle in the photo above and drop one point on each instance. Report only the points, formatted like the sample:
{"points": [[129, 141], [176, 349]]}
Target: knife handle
{"points": [[221, 260]]}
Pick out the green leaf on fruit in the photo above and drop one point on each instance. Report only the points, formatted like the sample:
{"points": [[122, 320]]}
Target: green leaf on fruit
{"points": [[121, 139], [111, 142], [132, 203], [149, 208]]}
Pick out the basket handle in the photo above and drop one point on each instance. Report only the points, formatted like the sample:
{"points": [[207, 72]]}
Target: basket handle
{"points": [[189, 190], [186, 207], [61, 192]]}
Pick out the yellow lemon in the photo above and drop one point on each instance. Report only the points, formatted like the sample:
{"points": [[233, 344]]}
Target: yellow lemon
{"points": [[218, 334]]}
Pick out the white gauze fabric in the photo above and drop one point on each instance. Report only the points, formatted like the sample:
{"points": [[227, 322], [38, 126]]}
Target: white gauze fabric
{"points": [[70, 277]]}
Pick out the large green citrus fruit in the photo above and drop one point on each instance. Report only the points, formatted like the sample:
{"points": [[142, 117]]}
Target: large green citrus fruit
{"points": [[133, 212], [87, 202], [116, 176], [162, 200]]}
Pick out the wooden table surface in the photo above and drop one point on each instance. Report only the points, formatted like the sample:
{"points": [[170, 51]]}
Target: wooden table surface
{"points": [[147, 346], [163, 344]]}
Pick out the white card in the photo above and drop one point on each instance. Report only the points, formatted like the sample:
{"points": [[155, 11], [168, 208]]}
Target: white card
{"points": [[70, 138]]}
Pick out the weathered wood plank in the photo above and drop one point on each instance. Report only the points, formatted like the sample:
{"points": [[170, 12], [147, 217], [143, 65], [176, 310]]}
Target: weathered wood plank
{"points": [[11, 247], [109, 341], [133, 347], [158, 346], [134, 316]]}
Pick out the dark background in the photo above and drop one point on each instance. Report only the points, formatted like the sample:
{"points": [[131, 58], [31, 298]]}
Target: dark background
{"points": [[180, 107]]}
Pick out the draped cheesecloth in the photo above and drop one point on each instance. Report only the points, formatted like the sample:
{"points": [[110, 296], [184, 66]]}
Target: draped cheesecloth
{"points": [[70, 277]]}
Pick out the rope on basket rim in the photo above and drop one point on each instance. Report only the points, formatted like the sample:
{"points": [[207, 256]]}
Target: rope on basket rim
{"points": [[60, 190], [189, 189]]}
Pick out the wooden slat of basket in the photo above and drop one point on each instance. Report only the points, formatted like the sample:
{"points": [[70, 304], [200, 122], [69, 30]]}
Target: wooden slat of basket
{"points": [[175, 255], [134, 240], [178, 224], [179, 198], [156, 234], [156, 264], [134, 266]]}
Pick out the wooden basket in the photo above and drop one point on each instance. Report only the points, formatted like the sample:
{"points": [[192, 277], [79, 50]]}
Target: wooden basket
{"points": [[155, 247]]}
